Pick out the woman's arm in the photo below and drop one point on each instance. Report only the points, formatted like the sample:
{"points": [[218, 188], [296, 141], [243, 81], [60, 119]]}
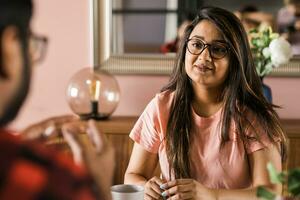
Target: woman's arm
{"points": [[140, 171], [141, 166], [258, 164], [258, 161]]}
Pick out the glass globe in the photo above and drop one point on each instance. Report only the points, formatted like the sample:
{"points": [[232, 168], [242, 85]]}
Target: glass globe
{"points": [[93, 94]]}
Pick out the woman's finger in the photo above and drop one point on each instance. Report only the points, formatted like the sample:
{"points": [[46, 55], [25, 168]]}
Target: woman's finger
{"points": [[152, 188], [152, 193], [179, 189], [155, 187], [176, 182], [181, 196], [157, 180], [148, 197]]}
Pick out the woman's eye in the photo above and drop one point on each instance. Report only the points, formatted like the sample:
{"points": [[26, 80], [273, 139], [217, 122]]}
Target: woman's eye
{"points": [[219, 49], [198, 45]]}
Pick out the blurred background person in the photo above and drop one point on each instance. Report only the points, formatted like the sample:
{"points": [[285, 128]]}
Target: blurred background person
{"points": [[251, 17], [288, 23], [173, 46]]}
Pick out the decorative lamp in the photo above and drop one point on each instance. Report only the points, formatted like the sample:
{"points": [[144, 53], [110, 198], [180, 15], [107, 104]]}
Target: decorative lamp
{"points": [[93, 94]]}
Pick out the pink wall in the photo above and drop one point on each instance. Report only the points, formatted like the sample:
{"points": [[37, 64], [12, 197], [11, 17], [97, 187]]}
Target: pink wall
{"points": [[67, 25], [137, 91], [286, 93]]}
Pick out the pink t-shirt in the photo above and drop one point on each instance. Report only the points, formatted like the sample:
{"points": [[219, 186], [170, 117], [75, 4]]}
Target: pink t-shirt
{"points": [[213, 167]]}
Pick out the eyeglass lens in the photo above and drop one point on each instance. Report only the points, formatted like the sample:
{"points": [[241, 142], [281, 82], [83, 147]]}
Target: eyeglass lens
{"points": [[37, 47], [216, 50]]}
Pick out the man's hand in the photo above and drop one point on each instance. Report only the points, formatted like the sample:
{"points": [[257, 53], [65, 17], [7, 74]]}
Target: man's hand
{"points": [[93, 151], [48, 128]]}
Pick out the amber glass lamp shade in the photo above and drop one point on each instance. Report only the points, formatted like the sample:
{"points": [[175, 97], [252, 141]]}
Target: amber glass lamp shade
{"points": [[93, 94]]}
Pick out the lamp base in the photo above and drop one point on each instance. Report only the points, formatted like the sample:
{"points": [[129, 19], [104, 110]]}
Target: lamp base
{"points": [[94, 116]]}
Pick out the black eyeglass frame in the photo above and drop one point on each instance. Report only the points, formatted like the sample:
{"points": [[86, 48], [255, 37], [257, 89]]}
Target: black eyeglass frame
{"points": [[206, 45]]}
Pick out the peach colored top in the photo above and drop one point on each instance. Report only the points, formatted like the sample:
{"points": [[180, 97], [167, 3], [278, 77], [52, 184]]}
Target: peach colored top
{"points": [[213, 167]]}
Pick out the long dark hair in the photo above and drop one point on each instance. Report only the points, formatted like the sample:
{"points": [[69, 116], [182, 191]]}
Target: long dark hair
{"points": [[242, 89]]}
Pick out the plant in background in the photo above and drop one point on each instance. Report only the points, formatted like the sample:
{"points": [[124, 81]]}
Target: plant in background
{"points": [[268, 50], [290, 180]]}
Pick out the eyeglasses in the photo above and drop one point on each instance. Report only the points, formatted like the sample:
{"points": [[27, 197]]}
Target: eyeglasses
{"points": [[216, 50], [37, 47]]}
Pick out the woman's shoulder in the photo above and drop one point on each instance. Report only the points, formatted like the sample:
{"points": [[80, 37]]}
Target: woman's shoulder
{"points": [[247, 112], [162, 102], [164, 96], [252, 123]]}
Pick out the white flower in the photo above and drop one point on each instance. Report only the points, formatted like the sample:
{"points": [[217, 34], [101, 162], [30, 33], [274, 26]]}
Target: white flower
{"points": [[278, 197], [268, 68], [281, 51], [260, 43], [266, 52]]}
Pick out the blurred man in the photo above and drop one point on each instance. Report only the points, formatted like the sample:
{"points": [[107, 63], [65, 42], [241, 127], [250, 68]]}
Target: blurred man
{"points": [[28, 170], [288, 22], [251, 17], [173, 46]]}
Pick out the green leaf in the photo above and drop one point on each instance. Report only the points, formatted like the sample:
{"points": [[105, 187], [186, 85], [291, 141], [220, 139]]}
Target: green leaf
{"points": [[265, 38], [254, 30], [274, 176], [258, 65], [294, 182], [265, 194]]}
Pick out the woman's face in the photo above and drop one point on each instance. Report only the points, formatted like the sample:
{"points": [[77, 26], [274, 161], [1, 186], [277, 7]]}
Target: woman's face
{"points": [[205, 69]]}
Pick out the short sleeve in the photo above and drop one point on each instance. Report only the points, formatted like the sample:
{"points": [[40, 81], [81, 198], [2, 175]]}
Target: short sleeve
{"points": [[145, 131], [257, 138]]}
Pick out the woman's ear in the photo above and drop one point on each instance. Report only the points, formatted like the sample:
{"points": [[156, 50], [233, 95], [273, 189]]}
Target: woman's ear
{"points": [[11, 52]]}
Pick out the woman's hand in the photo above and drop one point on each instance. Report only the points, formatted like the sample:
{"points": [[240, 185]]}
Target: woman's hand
{"points": [[187, 189], [152, 189]]}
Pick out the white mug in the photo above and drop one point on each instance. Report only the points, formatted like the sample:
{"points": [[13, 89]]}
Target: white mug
{"points": [[127, 192]]}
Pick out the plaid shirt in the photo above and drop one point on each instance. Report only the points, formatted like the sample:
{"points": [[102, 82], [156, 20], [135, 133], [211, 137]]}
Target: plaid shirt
{"points": [[30, 171]]}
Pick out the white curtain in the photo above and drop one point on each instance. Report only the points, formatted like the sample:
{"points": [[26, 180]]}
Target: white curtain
{"points": [[117, 29], [171, 21]]}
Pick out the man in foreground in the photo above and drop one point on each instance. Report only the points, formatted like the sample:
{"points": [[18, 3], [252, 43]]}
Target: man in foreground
{"points": [[28, 170]]}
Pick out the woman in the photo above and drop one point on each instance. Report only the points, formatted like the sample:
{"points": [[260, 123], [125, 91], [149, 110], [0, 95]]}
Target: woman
{"points": [[211, 129]]}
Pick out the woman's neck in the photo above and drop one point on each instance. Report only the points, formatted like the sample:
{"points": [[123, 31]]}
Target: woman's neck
{"points": [[206, 102]]}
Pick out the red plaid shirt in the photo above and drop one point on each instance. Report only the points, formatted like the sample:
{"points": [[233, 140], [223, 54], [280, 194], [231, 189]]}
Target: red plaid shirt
{"points": [[30, 171]]}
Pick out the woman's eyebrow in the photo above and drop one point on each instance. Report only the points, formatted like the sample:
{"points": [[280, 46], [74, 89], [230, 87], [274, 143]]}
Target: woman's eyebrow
{"points": [[202, 38], [198, 37]]}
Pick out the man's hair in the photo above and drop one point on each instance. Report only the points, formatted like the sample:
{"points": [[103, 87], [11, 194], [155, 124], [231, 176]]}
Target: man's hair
{"points": [[15, 13], [249, 9]]}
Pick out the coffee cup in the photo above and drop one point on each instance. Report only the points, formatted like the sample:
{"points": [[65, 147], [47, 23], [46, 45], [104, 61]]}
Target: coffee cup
{"points": [[127, 192]]}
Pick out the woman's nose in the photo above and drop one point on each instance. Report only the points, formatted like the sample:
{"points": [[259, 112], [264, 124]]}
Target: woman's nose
{"points": [[205, 54]]}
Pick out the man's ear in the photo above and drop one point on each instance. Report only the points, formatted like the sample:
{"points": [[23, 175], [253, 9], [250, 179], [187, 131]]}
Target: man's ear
{"points": [[11, 51]]}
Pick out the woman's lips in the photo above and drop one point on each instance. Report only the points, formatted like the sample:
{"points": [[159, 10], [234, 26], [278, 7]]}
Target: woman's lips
{"points": [[203, 68]]}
